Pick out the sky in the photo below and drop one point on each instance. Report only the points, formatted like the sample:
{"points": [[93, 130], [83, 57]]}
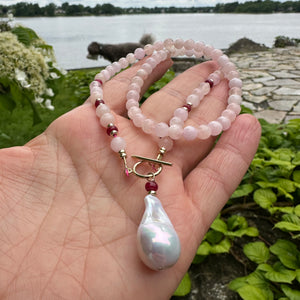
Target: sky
{"points": [[129, 3]]}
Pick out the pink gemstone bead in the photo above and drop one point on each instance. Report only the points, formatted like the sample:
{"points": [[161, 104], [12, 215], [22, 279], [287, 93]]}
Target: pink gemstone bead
{"points": [[178, 43], [168, 43], [190, 133], [229, 114], [133, 111], [94, 84], [235, 99], [107, 119], [142, 73], [189, 52], [216, 53], [148, 126], [166, 142], [101, 77], [116, 66], [130, 58], [216, 128], [147, 68], [176, 121], [135, 87], [193, 99], [139, 53], [148, 49], [138, 120], [234, 107], [223, 60], [233, 74], [189, 44], [130, 103], [158, 45], [106, 74], [132, 94], [161, 129], [101, 110], [205, 87], [199, 46], [138, 80], [204, 132], [110, 70], [181, 113], [123, 62], [117, 144], [235, 91], [208, 49], [224, 122], [151, 62], [229, 67], [162, 55], [215, 78], [175, 132], [235, 82]]}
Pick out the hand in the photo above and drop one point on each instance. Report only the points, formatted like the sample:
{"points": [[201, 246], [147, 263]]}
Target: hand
{"points": [[69, 215]]}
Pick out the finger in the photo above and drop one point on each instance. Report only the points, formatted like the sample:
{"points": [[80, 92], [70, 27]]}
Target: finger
{"points": [[115, 90], [213, 181]]}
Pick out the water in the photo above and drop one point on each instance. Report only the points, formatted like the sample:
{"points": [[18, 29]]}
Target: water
{"points": [[70, 36]]}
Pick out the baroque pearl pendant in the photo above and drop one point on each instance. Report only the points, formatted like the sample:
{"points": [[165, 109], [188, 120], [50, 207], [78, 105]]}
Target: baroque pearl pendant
{"points": [[157, 241]]}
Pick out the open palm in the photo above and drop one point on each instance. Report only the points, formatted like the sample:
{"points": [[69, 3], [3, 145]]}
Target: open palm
{"points": [[69, 215]]}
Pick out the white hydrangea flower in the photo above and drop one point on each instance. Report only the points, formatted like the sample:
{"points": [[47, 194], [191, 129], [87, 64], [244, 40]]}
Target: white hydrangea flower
{"points": [[22, 78], [49, 92], [49, 105], [39, 100], [53, 75]]}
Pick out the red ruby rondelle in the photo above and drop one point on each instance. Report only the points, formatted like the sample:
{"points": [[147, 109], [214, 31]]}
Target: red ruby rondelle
{"points": [[100, 81], [210, 81], [151, 186], [98, 102], [188, 107], [110, 129]]}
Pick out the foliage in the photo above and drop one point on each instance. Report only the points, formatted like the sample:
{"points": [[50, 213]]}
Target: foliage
{"points": [[284, 41], [28, 70]]}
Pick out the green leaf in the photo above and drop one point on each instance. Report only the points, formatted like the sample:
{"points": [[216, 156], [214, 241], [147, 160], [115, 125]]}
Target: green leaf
{"points": [[257, 252], [287, 226], [7, 102], [287, 252], [184, 287], [296, 160], [236, 221], [284, 209], [250, 292], [213, 237], [25, 35], [296, 176], [298, 275], [291, 294], [204, 249], [286, 185], [250, 231], [237, 283], [242, 191], [264, 197], [297, 210], [280, 274], [219, 225], [222, 247], [292, 218]]}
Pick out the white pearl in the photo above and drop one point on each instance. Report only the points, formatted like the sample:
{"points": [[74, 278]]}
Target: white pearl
{"points": [[157, 241]]}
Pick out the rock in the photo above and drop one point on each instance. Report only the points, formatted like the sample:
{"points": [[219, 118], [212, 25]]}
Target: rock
{"points": [[263, 91], [282, 74], [252, 86], [271, 116], [264, 79], [297, 108], [254, 99], [283, 105], [245, 45], [287, 91], [281, 82]]}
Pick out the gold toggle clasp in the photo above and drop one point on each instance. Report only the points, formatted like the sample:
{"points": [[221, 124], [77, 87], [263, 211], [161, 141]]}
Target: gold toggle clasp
{"points": [[153, 161]]}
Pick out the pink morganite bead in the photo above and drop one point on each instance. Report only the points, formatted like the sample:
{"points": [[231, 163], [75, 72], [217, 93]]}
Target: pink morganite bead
{"points": [[135, 87], [234, 107], [138, 120], [106, 74], [161, 129], [162, 55], [117, 144], [116, 66], [101, 77], [130, 103], [148, 126], [216, 53], [132, 94], [216, 128], [133, 111], [142, 73], [223, 60], [233, 74], [178, 43], [110, 70], [147, 68], [194, 99], [151, 62], [176, 121], [130, 58], [199, 46], [208, 49], [107, 119], [229, 114], [190, 133], [175, 132], [229, 67], [189, 44], [168, 43], [158, 45], [123, 62], [148, 49], [224, 122], [138, 80], [215, 78], [166, 142], [205, 87], [235, 99], [235, 91], [204, 132], [189, 53], [181, 113], [101, 110], [139, 53], [235, 82]]}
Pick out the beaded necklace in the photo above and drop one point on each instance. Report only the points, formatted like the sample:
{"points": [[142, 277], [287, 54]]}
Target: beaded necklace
{"points": [[157, 241]]}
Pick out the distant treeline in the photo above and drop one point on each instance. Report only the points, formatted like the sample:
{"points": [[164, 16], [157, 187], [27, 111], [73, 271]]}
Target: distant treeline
{"points": [[24, 9]]}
